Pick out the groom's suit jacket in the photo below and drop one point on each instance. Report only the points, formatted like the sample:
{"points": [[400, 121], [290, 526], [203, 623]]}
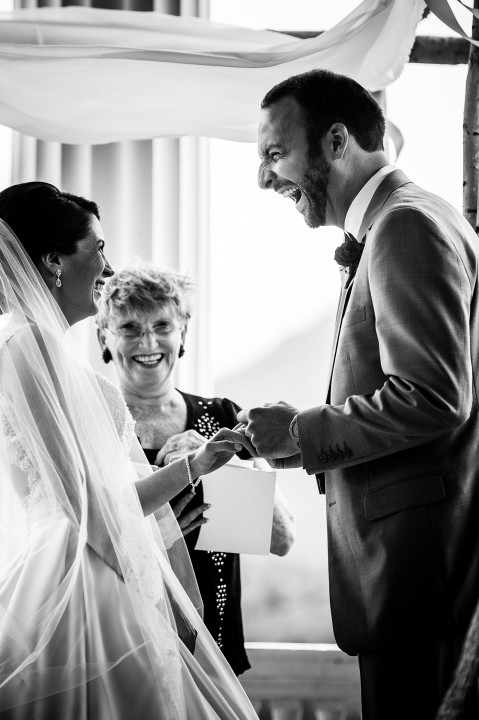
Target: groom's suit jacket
{"points": [[398, 439]]}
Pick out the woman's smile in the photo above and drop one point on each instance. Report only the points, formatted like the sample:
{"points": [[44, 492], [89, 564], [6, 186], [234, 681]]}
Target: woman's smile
{"points": [[148, 360]]}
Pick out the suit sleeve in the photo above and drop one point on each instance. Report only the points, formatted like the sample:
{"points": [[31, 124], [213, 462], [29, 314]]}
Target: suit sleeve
{"points": [[421, 295]]}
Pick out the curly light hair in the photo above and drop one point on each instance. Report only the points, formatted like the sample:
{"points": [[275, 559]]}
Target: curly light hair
{"points": [[142, 287]]}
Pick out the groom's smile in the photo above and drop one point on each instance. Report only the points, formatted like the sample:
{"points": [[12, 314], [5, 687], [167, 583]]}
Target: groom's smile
{"points": [[289, 165], [293, 193]]}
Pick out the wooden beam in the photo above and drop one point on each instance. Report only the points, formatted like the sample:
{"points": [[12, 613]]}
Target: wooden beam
{"points": [[439, 50], [426, 48]]}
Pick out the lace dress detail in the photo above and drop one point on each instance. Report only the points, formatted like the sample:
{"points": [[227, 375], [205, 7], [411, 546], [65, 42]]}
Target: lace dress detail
{"points": [[17, 447], [18, 456], [131, 541], [124, 423]]}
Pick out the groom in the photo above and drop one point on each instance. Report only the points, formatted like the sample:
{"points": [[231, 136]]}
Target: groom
{"points": [[395, 444]]}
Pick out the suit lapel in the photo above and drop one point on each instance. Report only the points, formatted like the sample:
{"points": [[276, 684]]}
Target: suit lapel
{"points": [[343, 300], [390, 183]]}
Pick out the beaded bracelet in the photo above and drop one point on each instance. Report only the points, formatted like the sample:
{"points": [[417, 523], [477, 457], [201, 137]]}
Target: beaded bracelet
{"points": [[193, 483]]}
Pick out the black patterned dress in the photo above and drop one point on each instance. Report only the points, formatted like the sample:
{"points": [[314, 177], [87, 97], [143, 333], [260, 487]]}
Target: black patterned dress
{"points": [[217, 573]]}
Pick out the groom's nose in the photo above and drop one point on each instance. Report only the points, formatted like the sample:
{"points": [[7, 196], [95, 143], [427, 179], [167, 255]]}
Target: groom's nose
{"points": [[265, 177]]}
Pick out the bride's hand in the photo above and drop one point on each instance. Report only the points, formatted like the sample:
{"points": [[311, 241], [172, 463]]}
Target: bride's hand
{"points": [[217, 451]]}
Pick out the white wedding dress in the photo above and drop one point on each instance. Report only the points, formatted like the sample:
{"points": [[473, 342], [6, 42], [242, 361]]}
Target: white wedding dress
{"points": [[94, 623], [87, 630]]}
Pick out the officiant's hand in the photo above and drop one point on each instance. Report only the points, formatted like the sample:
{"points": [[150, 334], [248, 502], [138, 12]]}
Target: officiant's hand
{"points": [[268, 429], [216, 452], [178, 445], [188, 520]]}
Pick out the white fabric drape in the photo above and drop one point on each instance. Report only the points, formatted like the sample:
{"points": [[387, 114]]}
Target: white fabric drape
{"points": [[80, 75]]}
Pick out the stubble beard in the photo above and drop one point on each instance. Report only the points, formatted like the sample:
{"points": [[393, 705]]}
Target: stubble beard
{"points": [[316, 185]]}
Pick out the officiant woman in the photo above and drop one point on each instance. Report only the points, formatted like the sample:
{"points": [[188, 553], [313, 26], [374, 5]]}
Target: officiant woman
{"points": [[143, 322]]}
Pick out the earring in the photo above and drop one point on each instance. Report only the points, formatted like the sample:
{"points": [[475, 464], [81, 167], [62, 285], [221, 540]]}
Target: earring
{"points": [[182, 351], [58, 282], [106, 355]]}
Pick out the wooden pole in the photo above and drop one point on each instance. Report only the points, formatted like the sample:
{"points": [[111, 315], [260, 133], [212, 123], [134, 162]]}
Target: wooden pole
{"points": [[471, 132]]}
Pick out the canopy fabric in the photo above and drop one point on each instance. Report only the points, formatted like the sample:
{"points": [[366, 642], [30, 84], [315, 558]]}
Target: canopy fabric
{"points": [[82, 75]]}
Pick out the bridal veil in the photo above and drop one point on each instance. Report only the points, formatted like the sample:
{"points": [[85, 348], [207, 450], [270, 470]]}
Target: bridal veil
{"points": [[98, 604]]}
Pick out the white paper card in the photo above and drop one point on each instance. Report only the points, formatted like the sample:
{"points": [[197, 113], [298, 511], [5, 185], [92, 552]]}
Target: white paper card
{"points": [[241, 513]]}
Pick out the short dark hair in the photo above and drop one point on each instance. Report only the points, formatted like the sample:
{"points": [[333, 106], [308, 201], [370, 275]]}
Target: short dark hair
{"points": [[45, 219], [325, 98]]}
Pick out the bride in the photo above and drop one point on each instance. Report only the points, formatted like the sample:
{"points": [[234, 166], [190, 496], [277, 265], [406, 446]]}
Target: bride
{"points": [[99, 610]]}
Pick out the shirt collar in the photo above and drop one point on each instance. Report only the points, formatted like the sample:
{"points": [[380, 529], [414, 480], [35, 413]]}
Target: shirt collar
{"points": [[358, 207]]}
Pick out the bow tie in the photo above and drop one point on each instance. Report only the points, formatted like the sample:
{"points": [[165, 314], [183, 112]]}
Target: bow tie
{"points": [[349, 253]]}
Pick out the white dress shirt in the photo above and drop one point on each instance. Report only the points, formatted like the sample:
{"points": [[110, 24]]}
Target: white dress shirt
{"points": [[354, 216]]}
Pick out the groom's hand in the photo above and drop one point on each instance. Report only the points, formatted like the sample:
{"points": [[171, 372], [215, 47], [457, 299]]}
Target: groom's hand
{"points": [[268, 429], [287, 463]]}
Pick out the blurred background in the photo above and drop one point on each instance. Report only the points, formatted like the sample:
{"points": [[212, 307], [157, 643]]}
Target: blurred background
{"points": [[268, 285]]}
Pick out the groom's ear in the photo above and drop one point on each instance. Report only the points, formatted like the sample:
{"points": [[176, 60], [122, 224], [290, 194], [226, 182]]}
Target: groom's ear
{"points": [[337, 140]]}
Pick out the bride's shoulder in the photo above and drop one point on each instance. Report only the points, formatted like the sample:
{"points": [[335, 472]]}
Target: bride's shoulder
{"points": [[11, 330], [16, 333], [18, 342]]}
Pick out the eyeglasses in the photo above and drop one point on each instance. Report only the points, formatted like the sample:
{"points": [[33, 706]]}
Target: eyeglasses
{"points": [[136, 332]]}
